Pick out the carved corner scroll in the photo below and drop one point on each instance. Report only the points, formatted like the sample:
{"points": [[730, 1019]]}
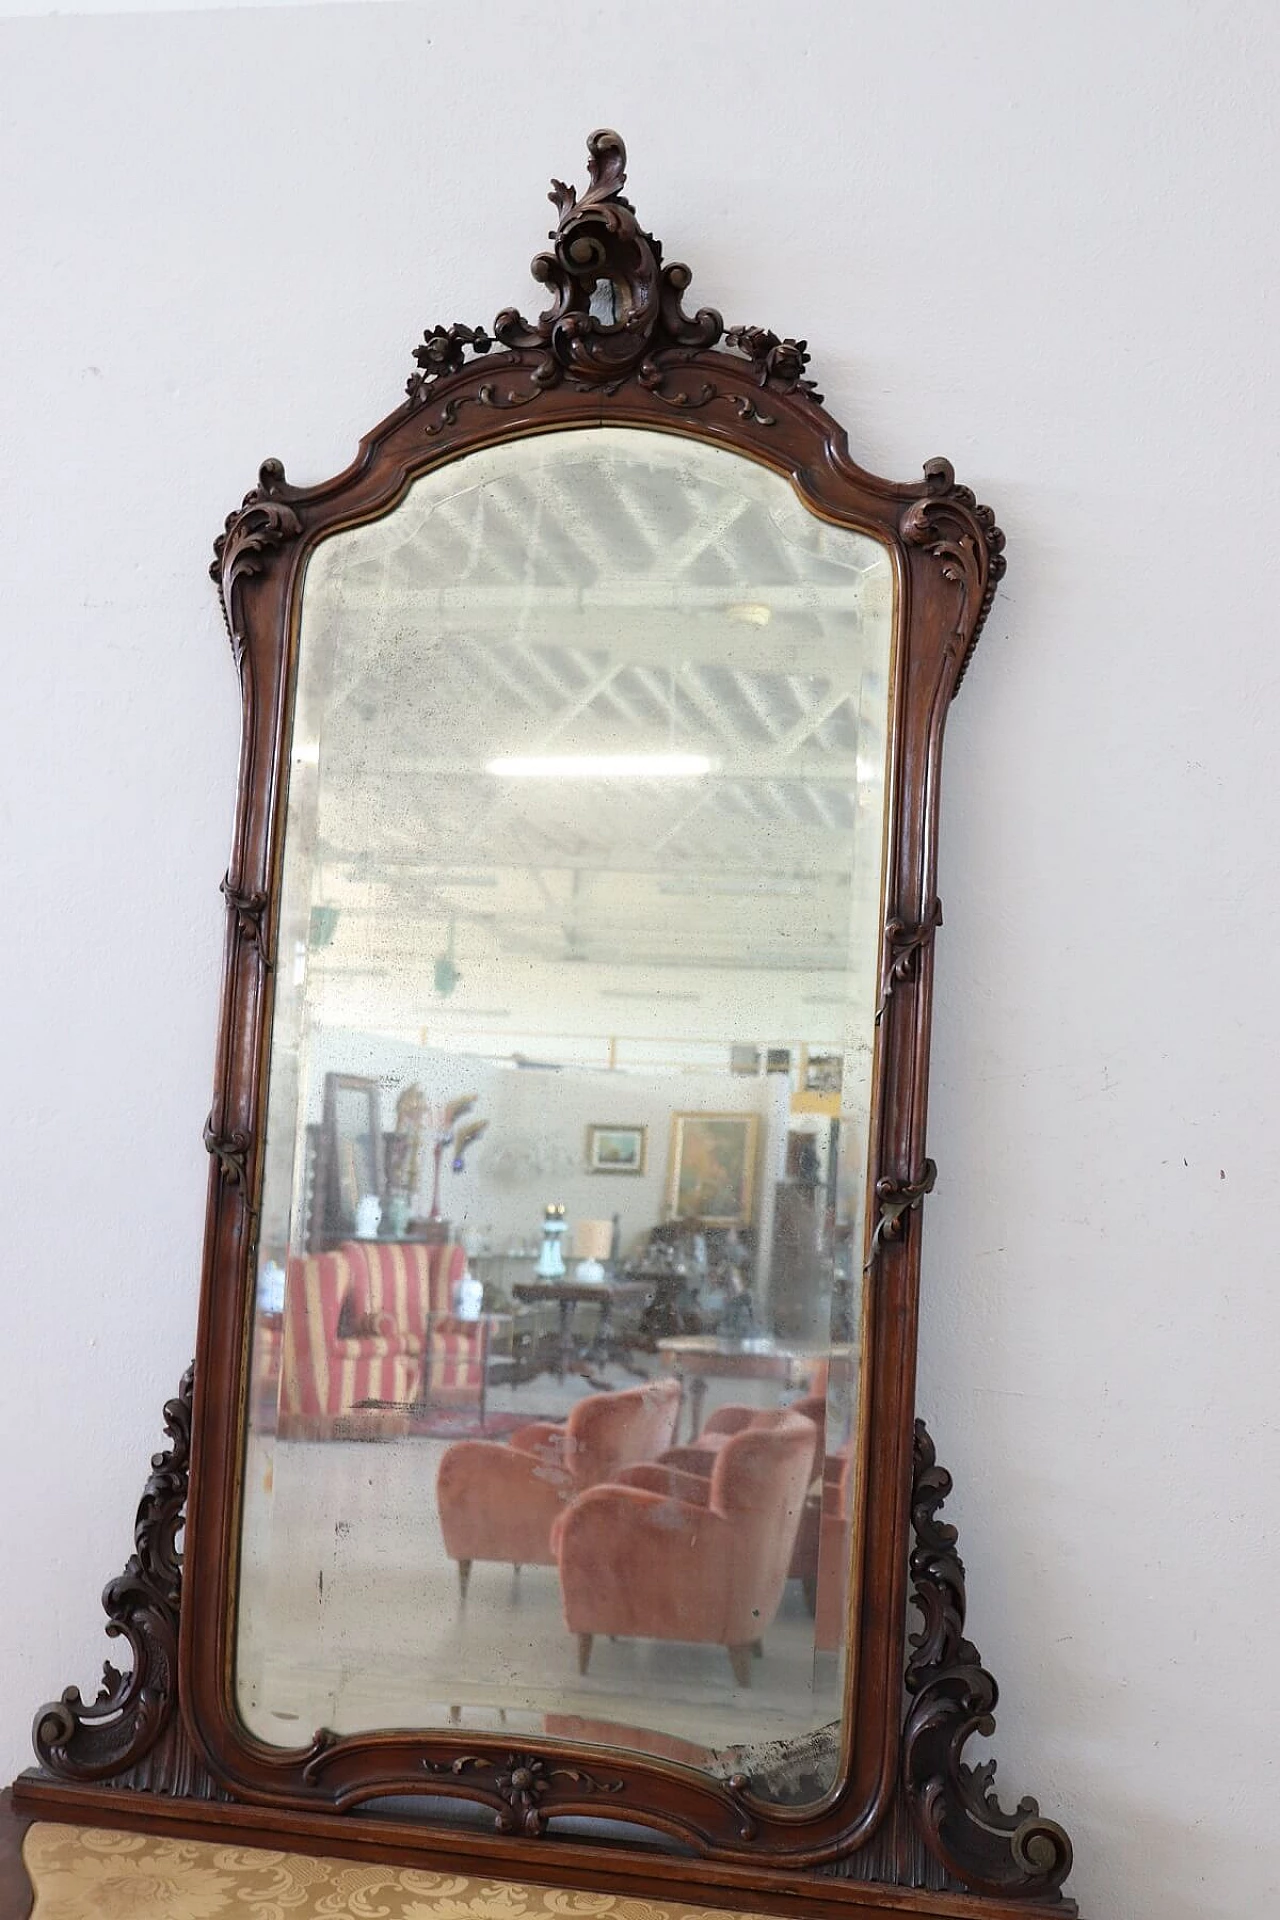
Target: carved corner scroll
{"points": [[616, 314], [262, 523], [1019, 1854], [105, 1738], [964, 538]]}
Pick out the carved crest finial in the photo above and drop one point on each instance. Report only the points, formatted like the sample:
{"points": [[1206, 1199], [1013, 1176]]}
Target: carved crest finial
{"points": [[616, 314]]}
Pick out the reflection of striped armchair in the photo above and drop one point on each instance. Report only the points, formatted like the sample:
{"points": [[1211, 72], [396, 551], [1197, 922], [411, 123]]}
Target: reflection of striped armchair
{"points": [[324, 1375], [404, 1291]]}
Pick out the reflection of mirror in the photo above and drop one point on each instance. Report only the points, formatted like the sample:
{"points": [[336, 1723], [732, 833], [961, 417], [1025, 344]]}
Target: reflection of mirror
{"points": [[346, 1175], [554, 1440], [602, 714]]}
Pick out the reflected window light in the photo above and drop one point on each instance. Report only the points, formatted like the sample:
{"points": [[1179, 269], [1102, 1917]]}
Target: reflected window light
{"points": [[602, 766]]}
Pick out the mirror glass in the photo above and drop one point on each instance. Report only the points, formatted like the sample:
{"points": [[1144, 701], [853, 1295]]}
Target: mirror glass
{"points": [[555, 1414]]}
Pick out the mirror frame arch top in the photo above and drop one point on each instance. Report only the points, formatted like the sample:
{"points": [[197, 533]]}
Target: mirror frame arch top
{"points": [[905, 1810]]}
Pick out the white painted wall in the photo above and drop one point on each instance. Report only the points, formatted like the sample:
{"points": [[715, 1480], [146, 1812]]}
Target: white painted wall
{"points": [[1039, 240]]}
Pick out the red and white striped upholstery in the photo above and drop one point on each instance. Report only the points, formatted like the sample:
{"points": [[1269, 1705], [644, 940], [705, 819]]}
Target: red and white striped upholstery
{"points": [[403, 1291], [324, 1376]]}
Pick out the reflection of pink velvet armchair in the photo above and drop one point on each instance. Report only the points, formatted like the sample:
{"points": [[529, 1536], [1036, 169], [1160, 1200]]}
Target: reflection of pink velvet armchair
{"points": [[499, 1502], [702, 1452], [672, 1556]]}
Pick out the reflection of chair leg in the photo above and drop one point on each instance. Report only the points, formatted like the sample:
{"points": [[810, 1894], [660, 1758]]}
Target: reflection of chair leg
{"points": [[809, 1581], [757, 1649], [464, 1574], [740, 1661], [584, 1651]]}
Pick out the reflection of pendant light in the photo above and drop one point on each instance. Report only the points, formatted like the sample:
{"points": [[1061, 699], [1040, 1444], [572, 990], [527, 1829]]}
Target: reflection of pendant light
{"points": [[324, 924], [446, 974]]}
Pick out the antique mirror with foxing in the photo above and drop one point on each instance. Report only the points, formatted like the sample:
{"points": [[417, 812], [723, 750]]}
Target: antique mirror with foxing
{"points": [[548, 1493]]}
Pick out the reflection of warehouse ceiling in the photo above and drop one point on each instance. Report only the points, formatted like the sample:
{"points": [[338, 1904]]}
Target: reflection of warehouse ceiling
{"points": [[564, 602]]}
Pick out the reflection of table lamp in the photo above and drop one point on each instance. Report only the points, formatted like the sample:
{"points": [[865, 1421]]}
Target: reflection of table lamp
{"points": [[592, 1246], [551, 1259]]}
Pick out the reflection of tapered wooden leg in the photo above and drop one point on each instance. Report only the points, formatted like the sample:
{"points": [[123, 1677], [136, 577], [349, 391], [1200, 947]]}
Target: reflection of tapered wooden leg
{"points": [[464, 1574], [455, 1716], [757, 1649], [584, 1651], [740, 1661]]}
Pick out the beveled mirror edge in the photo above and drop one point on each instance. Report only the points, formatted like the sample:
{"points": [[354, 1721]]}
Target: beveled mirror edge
{"points": [[948, 559]]}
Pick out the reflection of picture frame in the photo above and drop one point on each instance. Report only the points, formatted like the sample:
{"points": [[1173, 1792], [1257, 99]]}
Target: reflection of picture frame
{"points": [[616, 1149], [711, 1177], [348, 1158], [823, 1072]]}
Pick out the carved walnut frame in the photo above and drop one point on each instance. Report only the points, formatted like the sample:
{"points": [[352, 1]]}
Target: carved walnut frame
{"points": [[164, 1742]]}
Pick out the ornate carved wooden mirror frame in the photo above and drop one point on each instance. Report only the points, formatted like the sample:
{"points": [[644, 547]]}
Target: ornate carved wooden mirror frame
{"points": [[162, 1743]]}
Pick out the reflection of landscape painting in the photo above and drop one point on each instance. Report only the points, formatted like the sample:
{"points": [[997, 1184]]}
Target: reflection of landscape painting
{"points": [[713, 1158], [615, 1149]]}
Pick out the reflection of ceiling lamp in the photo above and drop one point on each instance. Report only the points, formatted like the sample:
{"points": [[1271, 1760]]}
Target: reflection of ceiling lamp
{"points": [[602, 766], [446, 974]]}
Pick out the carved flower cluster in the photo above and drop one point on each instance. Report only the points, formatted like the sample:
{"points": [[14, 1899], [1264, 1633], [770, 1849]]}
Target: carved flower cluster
{"points": [[778, 363], [442, 352]]}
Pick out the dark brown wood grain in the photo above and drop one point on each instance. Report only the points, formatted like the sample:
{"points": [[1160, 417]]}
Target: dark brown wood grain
{"points": [[15, 1885], [661, 369]]}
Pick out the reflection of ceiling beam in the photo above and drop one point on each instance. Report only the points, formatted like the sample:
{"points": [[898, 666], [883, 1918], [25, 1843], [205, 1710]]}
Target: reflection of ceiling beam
{"points": [[620, 591], [740, 765]]}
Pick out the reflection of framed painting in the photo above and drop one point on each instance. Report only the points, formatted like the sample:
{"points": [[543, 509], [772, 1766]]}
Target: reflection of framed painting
{"points": [[713, 1164], [616, 1149], [823, 1072]]}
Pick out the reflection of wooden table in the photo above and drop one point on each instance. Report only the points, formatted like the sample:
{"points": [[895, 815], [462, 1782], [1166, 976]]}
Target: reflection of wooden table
{"points": [[697, 1358], [576, 1356]]}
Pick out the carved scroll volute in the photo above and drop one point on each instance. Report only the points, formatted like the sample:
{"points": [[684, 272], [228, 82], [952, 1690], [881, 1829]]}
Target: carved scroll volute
{"points": [[599, 244], [1019, 1854], [98, 1740], [262, 524], [967, 544]]}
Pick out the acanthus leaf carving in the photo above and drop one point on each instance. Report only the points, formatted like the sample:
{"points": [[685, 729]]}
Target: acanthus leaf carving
{"points": [[896, 1199], [262, 524], [903, 945], [963, 538], [250, 910], [616, 313], [231, 1151], [522, 1784], [1020, 1854], [132, 1710]]}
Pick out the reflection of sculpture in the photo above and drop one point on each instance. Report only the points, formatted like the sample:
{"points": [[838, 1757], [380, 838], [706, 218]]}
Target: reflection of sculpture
{"points": [[405, 1145], [449, 1134]]}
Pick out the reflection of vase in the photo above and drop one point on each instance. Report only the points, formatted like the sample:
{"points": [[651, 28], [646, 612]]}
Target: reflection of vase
{"points": [[551, 1260], [397, 1215], [368, 1216]]}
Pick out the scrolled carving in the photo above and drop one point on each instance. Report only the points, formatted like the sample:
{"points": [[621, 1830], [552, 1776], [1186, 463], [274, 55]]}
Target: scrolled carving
{"points": [[263, 523], [903, 945], [231, 1151], [132, 1711], [897, 1198], [614, 304], [964, 538], [1019, 1854], [521, 1785], [250, 910]]}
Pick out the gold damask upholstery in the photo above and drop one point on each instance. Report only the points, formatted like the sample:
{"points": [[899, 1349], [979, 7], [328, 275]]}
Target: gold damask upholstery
{"points": [[82, 1873]]}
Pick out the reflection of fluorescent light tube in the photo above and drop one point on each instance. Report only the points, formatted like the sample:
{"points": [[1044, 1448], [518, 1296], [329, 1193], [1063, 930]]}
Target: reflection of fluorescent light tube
{"points": [[602, 766]]}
